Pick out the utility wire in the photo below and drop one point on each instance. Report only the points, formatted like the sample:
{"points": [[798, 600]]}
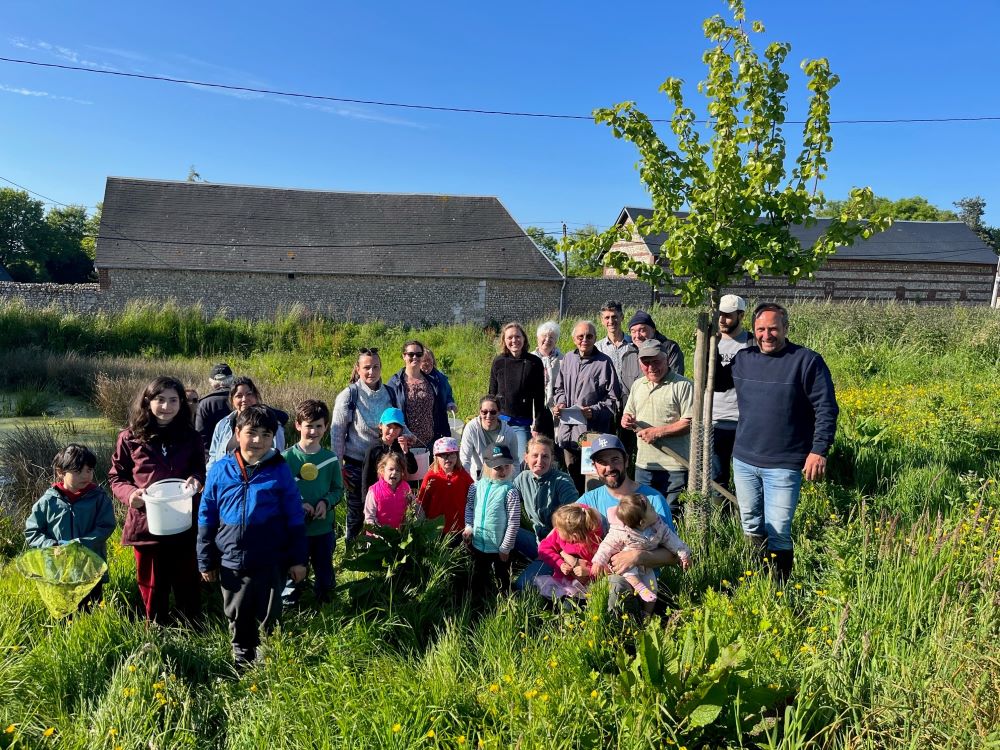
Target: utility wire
{"points": [[120, 236], [438, 108]]}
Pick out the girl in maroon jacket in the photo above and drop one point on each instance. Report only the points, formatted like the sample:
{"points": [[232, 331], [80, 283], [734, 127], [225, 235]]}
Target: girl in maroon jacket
{"points": [[160, 443]]}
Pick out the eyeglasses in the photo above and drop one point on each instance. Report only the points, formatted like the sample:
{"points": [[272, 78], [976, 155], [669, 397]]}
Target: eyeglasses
{"points": [[489, 412], [585, 336], [373, 351], [413, 354]]}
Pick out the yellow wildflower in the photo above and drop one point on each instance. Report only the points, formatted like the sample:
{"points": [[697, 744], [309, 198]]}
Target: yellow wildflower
{"points": [[11, 728], [461, 739], [593, 693], [49, 732], [494, 688], [397, 728], [430, 733]]}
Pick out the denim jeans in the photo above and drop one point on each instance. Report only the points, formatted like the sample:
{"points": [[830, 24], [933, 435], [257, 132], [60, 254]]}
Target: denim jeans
{"points": [[523, 435], [767, 500], [670, 484], [526, 546]]}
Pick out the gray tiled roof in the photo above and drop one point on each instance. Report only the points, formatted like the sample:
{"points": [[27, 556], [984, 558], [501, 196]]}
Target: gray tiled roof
{"points": [[922, 241], [201, 226]]}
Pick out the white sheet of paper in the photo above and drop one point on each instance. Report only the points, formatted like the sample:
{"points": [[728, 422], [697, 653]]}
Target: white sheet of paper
{"points": [[572, 415]]}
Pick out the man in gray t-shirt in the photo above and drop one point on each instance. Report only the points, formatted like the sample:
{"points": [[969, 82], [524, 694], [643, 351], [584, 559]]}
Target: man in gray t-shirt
{"points": [[725, 411]]}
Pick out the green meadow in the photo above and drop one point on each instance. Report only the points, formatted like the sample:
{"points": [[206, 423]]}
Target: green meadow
{"points": [[885, 637]]}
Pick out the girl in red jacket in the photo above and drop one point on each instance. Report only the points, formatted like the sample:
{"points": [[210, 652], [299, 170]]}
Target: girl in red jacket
{"points": [[446, 487], [160, 443]]}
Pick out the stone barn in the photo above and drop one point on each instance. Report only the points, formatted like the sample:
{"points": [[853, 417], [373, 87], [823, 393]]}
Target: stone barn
{"points": [[914, 261], [249, 251]]}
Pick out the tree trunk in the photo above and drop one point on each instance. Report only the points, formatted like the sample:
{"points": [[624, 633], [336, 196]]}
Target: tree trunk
{"points": [[697, 421], [708, 431]]}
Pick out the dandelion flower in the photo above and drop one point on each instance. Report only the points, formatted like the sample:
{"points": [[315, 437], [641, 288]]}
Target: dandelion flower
{"points": [[779, 593], [11, 728], [593, 693], [494, 688], [397, 728], [545, 697], [430, 734], [253, 688], [461, 739], [49, 732], [112, 732], [553, 663], [131, 667]]}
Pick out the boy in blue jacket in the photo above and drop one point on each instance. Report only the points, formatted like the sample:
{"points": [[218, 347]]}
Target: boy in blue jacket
{"points": [[251, 531], [74, 509]]}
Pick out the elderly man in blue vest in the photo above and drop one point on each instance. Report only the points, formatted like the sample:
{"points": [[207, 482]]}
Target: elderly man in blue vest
{"points": [[788, 418]]}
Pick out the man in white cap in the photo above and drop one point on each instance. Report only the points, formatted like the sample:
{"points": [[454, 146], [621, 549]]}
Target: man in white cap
{"points": [[725, 410]]}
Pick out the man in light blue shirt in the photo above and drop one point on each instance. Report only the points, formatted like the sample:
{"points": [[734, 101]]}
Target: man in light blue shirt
{"points": [[610, 464]]}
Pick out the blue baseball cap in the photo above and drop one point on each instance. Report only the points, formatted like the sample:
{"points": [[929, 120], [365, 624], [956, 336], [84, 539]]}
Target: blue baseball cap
{"points": [[606, 442], [393, 415]]}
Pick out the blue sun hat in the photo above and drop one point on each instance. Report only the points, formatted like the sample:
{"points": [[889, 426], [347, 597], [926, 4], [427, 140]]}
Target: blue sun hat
{"points": [[393, 415]]}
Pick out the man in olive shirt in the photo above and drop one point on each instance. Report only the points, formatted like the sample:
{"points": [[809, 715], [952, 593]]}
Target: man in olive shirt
{"points": [[659, 410]]}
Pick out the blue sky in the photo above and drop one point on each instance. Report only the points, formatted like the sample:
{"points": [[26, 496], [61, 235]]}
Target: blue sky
{"points": [[64, 132]]}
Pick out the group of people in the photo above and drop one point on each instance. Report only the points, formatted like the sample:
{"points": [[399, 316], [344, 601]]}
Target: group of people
{"points": [[513, 487]]}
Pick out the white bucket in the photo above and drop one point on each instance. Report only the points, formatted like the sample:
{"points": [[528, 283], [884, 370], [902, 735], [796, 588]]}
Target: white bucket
{"points": [[168, 507], [423, 458], [457, 426]]}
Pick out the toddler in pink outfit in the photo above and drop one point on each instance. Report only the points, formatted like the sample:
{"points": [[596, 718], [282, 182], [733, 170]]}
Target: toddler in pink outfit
{"points": [[634, 525], [568, 550]]}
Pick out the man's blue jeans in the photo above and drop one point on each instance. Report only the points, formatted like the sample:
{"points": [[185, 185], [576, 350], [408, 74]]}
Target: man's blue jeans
{"points": [[767, 499], [526, 546], [670, 484]]}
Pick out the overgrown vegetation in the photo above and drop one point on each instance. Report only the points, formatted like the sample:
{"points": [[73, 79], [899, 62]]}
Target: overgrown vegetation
{"points": [[884, 638]]}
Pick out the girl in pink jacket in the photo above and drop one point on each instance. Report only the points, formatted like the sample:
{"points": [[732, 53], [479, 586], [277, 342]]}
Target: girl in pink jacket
{"points": [[390, 496], [568, 550]]}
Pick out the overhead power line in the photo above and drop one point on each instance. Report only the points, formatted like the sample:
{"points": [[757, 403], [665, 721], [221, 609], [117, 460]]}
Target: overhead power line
{"points": [[440, 108], [119, 235]]}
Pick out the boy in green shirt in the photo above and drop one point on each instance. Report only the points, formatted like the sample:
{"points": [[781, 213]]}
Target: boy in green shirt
{"points": [[317, 473]]}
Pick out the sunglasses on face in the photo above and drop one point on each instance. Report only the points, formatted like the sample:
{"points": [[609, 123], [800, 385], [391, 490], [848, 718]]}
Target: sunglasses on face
{"points": [[373, 351], [413, 354], [489, 412]]}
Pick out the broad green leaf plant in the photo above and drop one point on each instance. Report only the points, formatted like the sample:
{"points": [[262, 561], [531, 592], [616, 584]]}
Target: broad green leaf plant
{"points": [[723, 196]]}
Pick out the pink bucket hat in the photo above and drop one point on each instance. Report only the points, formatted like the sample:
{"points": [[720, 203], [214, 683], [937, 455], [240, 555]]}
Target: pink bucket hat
{"points": [[445, 445]]}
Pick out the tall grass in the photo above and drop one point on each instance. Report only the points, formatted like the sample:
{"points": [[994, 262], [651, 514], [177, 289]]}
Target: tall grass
{"points": [[885, 637]]}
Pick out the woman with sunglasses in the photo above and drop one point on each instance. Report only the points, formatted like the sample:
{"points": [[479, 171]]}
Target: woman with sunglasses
{"points": [[420, 397], [354, 429], [481, 434]]}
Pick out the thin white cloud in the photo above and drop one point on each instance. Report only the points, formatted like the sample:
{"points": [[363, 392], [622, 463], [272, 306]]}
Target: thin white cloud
{"points": [[40, 94], [117, 52], [225, 73], [66, 54]]}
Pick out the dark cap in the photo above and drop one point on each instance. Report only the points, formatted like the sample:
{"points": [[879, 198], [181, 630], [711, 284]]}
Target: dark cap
{"points": [[221, 371], [606, 443], [499, 456], [643, 317]]}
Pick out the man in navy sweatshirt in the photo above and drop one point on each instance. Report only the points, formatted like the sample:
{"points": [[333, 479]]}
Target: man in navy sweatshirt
{"points": [[788, 417]]}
